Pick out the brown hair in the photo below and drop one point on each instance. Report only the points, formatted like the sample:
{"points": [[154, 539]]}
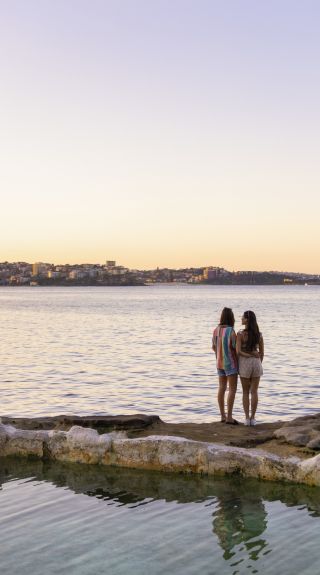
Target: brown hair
{"points": [[227, 317]]}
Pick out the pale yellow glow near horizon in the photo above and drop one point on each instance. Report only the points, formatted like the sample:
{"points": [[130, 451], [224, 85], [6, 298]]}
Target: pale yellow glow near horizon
{"points": [[116, 145], [187, 220]]}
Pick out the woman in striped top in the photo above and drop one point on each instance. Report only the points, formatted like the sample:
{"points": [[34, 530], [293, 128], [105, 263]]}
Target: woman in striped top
{"points": [[224, 342]]}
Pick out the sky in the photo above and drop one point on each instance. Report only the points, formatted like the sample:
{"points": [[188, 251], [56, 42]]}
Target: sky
{"points": [[170, 133]]}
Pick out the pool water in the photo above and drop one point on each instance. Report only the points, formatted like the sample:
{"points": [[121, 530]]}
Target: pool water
{"points": [[90, 520]]}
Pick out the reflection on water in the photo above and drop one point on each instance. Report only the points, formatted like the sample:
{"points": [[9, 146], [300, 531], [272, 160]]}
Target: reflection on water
{"points": [[240, 519], [255, 525]]}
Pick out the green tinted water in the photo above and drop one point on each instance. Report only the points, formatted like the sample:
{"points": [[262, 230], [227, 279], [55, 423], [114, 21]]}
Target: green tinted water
{"points": [[86, 520]]}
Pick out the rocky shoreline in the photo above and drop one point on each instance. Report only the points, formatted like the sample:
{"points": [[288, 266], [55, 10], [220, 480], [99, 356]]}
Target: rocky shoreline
{"points": [[281, 451]]}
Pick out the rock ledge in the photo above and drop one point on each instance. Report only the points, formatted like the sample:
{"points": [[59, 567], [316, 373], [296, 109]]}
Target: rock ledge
{"points": [[159, 452]]}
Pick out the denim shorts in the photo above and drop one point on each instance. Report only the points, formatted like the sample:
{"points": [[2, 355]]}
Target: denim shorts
{"points": [[226, 372]]}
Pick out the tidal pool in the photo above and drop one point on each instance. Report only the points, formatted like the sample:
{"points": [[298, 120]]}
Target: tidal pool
{"points": [[89, 520]]}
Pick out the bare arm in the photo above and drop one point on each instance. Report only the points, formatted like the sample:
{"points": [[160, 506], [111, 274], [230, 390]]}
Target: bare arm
{"points": [[261, 348]]}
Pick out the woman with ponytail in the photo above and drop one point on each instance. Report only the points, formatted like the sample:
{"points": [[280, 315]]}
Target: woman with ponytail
{"points": [[250, 350]]}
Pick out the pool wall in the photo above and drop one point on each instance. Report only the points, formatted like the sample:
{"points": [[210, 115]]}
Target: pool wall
{"points": [[165, 453]]}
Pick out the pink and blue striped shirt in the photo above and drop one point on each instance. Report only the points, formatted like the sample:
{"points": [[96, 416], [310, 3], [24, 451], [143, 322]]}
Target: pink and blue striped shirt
{"points": [[225, 340]]}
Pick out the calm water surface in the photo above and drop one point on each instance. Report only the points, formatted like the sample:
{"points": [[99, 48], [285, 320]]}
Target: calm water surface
{"points": [[148, 350], [74, 519]]}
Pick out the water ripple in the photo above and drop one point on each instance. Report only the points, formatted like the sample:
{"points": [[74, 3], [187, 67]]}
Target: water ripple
{"points": [[110, 350]]}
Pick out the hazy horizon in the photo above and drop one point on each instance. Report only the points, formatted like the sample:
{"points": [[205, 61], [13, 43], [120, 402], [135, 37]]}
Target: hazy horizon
{"points": [[178, 133]]}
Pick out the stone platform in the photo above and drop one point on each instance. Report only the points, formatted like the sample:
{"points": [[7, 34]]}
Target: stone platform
{"points": [[276, 451]]}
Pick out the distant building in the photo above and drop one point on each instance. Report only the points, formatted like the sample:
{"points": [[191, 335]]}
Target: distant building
{"points": [[110, 264], [92, 273], [211, 273], [53, 274], [77, 275], [39, 269]]}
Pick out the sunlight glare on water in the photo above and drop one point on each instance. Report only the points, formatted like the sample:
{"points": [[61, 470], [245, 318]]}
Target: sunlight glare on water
{"points": [[89, 350]]}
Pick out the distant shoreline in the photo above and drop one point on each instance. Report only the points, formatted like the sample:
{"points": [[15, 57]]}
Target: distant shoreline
{"points": [[110, 274], [203, 284]]}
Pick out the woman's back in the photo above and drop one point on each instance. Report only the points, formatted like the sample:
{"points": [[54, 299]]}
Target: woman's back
{"points": [[245, 343], [224, 340]]}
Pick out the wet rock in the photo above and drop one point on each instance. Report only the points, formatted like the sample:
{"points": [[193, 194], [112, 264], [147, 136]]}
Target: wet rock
{"points": [[165, 453], [159, 452], [3, 436], [101, 422], [181, 455], [23, 442], [79, 445], [309, 471], [143, 425]]}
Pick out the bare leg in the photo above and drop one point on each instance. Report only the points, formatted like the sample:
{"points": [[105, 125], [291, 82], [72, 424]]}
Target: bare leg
{"points": [[221, 393], [254, 395], [246, 384], [232, 380]]}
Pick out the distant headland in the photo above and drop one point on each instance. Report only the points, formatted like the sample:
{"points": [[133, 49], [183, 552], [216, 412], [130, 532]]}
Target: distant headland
{"points": [[111, 274]]}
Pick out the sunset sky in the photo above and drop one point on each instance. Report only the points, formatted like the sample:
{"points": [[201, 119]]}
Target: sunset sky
{"points": [[165, 133]]}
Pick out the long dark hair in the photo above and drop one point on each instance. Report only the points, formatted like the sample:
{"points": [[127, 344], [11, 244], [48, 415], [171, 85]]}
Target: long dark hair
{"points": [[227, 317], [252, 330]]}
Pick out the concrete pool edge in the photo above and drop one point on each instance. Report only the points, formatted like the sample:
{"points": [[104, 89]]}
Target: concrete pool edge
{"points": [[156, 452]]}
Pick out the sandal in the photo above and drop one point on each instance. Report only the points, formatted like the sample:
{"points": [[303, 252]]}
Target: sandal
{"points": [[233, 422]]}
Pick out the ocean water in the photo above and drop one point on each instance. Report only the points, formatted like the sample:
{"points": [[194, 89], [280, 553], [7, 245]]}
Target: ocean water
{"points": [[89, 350], [87, 520]]}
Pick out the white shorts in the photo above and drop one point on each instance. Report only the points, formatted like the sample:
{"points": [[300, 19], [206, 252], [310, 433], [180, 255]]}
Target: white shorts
{"points": [[250, 367]]}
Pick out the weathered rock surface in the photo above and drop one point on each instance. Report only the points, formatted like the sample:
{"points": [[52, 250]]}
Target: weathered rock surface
{"points": [[301, 432], [101, 422], [156, 452], [300, 437], [23, 442], [144, 425]]}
